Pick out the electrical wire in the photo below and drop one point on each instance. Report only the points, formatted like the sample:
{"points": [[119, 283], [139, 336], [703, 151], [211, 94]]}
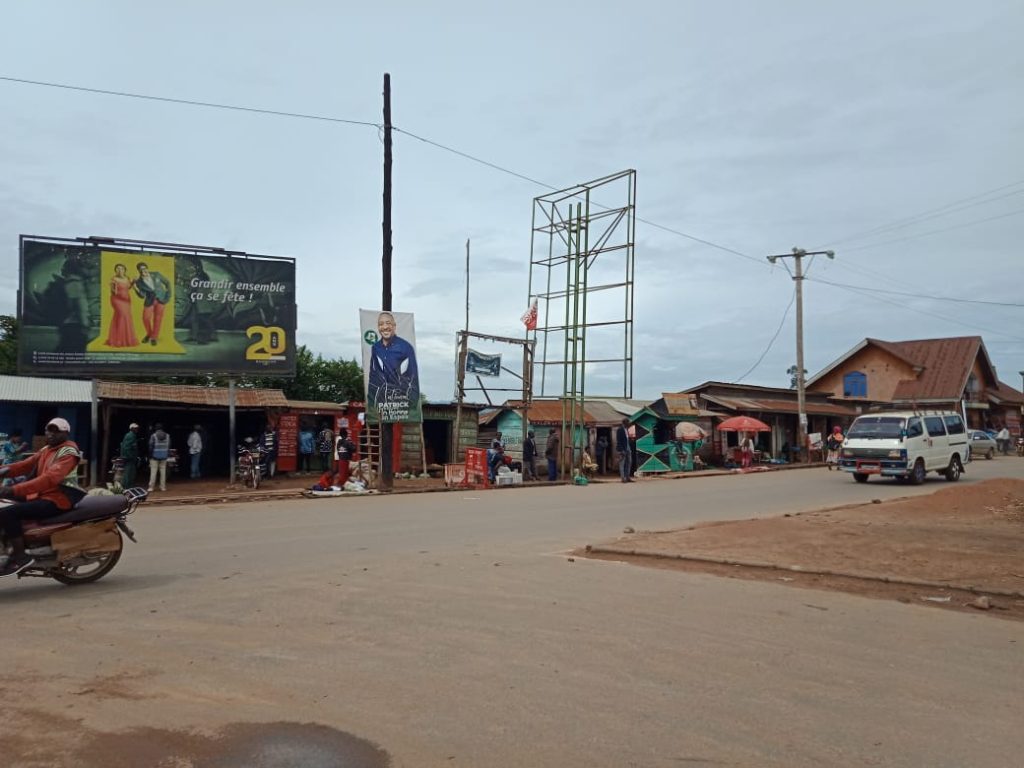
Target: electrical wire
{"points": [[869, 295], [510, 172], [931, 213], [919, 295], [190, 102], [935, 231], [772, 342], [379, 126]]}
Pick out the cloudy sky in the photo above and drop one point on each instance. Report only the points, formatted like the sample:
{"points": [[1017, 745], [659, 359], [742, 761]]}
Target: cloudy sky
{"points": [[893, 132]]}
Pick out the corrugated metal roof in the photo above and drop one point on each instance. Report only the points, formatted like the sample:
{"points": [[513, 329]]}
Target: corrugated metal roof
{"points": [[766, 405], [680, 404], [34, 389], [316, 405], [191, 395]]}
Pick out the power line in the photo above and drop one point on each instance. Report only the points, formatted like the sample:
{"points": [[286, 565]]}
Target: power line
{"points": [[510, 172], [919, 295], [772, 342], [930, 213], [869, 295], [934, 231], [378, 126], [190, 102]]}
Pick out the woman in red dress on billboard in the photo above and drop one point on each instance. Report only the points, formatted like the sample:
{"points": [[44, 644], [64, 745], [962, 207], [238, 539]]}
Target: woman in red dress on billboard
{"points": [[122, 330]]}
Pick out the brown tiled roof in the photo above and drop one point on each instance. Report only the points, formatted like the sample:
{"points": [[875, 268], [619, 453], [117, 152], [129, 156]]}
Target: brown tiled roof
{"points": [[191, 395], [1007, 394], [768, 405], [893, 348], [946, 363]]}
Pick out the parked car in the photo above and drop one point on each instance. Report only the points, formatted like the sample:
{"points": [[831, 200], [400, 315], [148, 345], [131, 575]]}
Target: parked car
{"points": [[982, 444]]}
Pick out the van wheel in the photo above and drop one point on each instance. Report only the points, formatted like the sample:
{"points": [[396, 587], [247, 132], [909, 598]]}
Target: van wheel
{"points": [[860, 477], [990, 454], [952, 473], [917, 473]]}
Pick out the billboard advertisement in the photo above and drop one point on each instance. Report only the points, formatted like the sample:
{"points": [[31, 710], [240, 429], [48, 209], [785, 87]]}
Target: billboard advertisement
{"points": [[390, 374], [118, 307]]}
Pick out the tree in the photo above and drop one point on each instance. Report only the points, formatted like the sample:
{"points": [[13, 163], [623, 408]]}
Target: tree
{"points": [[334, 381], [8, 345]]}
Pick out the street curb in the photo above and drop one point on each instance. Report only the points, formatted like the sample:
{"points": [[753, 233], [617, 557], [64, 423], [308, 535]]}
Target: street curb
{"points": [[797, 569]]}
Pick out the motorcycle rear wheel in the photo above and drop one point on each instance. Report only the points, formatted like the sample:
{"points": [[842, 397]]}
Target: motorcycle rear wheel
{"points": [[93, 570]]}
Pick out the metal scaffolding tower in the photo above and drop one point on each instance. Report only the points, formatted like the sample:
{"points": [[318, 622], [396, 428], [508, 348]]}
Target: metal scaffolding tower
{"points": [[582, 253]]}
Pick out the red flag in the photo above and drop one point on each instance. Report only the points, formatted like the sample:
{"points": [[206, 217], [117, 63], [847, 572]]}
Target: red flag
{"points": [[529, 317]]}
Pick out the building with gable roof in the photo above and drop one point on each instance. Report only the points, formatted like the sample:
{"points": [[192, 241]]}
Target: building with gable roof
{"points": [[943, 374]]}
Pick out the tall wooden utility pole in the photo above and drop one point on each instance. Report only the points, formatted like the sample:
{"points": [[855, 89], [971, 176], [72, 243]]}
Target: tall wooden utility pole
{"points": [[386, 480], [798, 277]]}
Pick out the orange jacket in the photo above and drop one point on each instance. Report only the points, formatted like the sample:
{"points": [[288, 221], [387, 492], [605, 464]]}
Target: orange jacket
{"points": [[50, 469]]}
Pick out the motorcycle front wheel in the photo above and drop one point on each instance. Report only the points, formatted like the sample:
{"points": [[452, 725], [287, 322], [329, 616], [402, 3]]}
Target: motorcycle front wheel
{"points": [[87, 568]]}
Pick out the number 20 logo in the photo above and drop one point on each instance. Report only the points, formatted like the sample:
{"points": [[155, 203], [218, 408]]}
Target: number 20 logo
{"points": [[269, 343]]}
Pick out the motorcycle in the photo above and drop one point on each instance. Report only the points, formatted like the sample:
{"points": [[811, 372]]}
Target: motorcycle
{"points": [[83, 544], [1020, 446], [250, 467]]}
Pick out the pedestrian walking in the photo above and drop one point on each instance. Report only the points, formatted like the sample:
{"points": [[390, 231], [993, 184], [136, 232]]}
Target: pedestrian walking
{"points": [[530, 456], [129, 452], [835, 445], [746, 451], [624, 451], [551, 454], [159, 450], [195, 451], [1003, 440]]}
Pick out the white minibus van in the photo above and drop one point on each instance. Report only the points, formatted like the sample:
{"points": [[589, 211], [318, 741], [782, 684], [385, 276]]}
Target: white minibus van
{"points": [[905, 445]]}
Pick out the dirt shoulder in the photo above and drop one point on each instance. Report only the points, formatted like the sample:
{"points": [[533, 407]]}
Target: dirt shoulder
{"points": [[946, 550]]}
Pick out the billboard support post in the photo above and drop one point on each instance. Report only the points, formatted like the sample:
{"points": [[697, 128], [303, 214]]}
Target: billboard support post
{"points": [[94, 433], [232, 443]]}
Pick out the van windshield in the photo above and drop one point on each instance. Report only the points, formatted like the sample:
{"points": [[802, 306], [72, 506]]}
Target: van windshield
{"points": [[877, 428]]}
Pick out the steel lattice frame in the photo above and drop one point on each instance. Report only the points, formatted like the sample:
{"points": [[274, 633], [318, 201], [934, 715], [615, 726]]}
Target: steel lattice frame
{"points": [[582, 259]]}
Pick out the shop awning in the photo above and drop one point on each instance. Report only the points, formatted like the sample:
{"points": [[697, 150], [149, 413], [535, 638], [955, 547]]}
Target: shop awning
{"points": [[183, 394]]}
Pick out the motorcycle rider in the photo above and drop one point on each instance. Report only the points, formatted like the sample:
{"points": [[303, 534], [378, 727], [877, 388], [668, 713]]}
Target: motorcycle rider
{"points": [[50, 489]]}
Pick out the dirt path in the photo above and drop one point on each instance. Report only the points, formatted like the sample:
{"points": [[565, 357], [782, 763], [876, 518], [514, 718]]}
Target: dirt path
{"points": [[947, 549]]}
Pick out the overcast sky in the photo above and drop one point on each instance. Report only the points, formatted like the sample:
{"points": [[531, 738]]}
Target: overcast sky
{"points": [[757, 126]]}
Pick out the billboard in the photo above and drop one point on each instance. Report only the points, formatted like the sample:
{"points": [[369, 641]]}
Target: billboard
{"points": [[91, 307], [390, 373], [481, 364]]}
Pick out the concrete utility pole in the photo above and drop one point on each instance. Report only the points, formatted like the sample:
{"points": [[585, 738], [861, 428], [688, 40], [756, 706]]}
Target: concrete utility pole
{"points": [[798, 277]]}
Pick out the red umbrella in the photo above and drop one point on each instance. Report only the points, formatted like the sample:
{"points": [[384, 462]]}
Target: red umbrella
{"points": [[743, 424]]}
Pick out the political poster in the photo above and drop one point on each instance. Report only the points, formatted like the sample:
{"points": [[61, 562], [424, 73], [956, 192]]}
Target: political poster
{"points": [[481, 364], [91, 308], [390, 373]]}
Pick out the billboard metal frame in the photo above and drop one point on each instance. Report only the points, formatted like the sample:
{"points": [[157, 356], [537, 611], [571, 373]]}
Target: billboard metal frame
{"points": [[571, 229]]}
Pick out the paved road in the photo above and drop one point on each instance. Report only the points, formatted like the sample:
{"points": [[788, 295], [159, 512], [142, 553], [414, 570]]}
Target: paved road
{"points": [[451, 630]]}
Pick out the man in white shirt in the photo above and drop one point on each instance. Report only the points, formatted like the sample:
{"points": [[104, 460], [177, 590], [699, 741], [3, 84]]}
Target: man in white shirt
{"points": [[1003, 440], [195, 450]]}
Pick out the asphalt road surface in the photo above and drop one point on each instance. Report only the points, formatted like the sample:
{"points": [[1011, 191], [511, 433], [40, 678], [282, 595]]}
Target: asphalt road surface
{"points": [[451, 629]]}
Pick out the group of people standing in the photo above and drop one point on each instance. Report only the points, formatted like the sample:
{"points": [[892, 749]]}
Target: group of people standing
{"points": [[624, 448], [158, 452]]}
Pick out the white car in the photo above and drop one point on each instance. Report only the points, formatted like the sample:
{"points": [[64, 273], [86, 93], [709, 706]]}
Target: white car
{"points": [[906, 445]]}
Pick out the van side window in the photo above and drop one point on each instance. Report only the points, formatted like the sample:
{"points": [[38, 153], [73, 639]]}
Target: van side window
{"points": [[914, 427], [934, 425], [955, 425]]}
